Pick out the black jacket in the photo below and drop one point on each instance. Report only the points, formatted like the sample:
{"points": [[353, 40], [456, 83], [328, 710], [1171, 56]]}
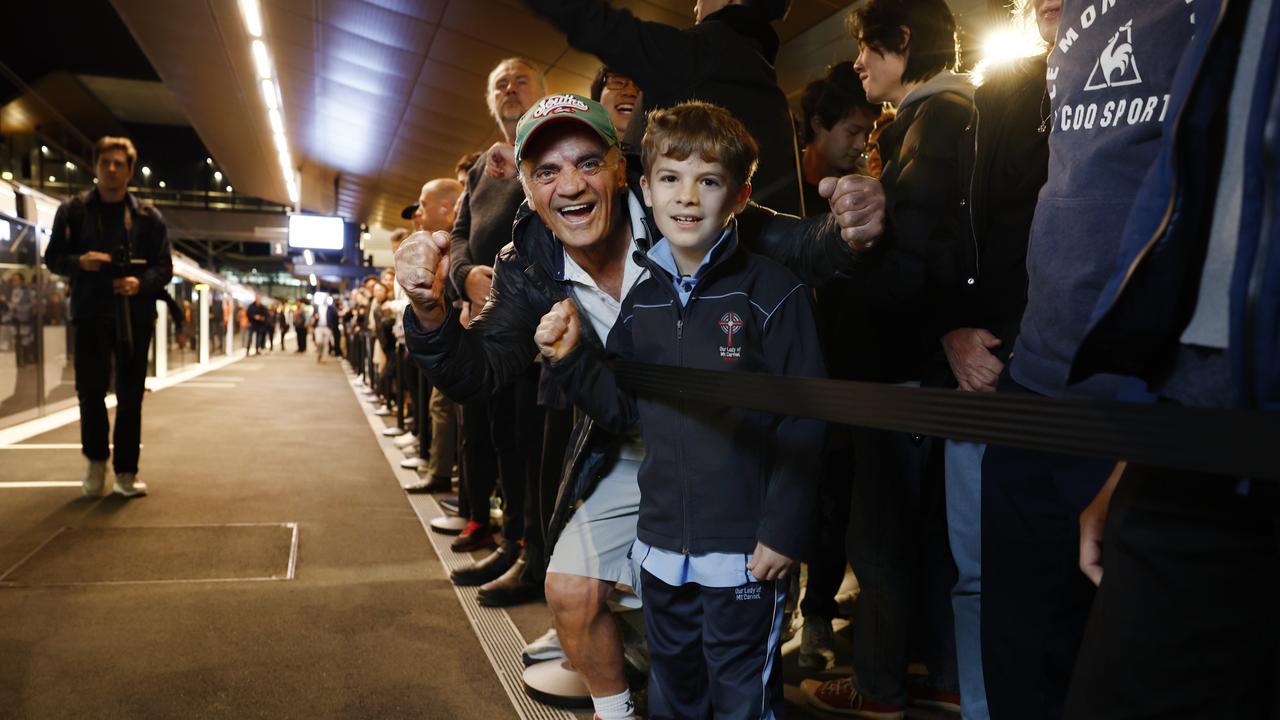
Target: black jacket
{"points": [[76, 231], [714, 478], [906, 287], [1007, 161], [727, 59], [529, 279]]}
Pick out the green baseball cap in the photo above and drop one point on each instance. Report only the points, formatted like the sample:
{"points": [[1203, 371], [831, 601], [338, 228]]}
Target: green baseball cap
{"points": [[562, 108]]}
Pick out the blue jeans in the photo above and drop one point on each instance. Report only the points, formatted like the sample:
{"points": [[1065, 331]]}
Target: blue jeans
{"points": [[964, 527]]}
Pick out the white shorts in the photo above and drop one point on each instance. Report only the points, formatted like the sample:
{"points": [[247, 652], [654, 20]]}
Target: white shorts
{"points": [[596, 542]]}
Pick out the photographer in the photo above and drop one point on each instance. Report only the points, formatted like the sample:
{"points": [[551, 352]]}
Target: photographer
{"points": [[116, 253]]}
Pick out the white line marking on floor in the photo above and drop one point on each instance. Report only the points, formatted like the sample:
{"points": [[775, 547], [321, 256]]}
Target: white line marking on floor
{"points": [[53, 421], [51, 446], [38, 484]]}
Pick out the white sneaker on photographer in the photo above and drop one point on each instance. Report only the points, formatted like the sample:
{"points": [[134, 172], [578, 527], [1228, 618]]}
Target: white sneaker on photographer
{"points": [[128, 485], [95, 480]]}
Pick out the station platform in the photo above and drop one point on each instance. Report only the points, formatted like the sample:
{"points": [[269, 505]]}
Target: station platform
{"points": [[275, 570]]}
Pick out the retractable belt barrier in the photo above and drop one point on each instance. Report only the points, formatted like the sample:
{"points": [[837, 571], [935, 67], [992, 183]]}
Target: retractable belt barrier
{"points": [[1238, 443]]}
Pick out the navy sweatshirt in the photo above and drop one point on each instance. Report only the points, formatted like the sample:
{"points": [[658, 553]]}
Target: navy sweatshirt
{"points": [[1109, 78], [714, 478]]}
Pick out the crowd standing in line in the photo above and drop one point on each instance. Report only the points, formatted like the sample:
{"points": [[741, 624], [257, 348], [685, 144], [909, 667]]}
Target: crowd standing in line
{"points": [[1012, 235]]}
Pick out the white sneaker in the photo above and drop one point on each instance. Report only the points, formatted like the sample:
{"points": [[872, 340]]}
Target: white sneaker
{"points": [[393, 431], [128, 485], [381, 411], [817, 644], [413, 463], [544, 648], [95, 479], [406, 440]]}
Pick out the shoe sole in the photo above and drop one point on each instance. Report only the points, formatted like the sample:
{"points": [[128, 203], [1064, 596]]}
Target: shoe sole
{"points": [[536, 658], [864, 714]]}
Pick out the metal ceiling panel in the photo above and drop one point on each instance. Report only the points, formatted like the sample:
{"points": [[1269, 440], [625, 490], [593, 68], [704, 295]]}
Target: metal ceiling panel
{"points": [[379, 95]]}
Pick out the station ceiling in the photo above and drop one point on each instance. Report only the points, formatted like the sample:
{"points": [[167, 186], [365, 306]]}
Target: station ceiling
{"points": [[378, 95]]}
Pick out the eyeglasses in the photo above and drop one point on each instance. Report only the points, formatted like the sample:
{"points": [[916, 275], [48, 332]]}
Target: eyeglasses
{"points": [[549, 175], [618, 82]]}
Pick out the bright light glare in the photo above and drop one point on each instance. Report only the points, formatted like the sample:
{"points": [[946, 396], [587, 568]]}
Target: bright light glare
{"points": [[228, 188], [161, 183], [70, 165], [277, 122], [269, 94], [312, 278], [217, 175], [262, 59], [293, 193], [44, 149], [282, 143], [252, 17], [309, 257], [53, 179], [1005, 45], [146, 171], [6, 175], [208, 161]]}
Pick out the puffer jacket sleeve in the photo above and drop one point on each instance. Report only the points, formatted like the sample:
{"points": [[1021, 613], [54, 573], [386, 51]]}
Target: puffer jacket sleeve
{"points": [[811, 247], [496, 349]]}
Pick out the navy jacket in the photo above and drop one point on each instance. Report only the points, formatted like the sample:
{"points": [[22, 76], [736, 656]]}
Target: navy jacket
{"points": [[714, 478], [1151, 296]]}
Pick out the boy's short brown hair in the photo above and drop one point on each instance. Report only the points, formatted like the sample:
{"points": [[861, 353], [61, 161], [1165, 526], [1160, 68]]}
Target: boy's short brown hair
{"points": [[698, 127], [108, 142]]}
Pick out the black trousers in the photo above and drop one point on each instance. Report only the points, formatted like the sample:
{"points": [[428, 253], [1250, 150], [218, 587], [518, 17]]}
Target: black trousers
{"points": [[898, 547], [1185, 623], [828, 560], [98, 357], [715, 652], [516, 423], [1035, 600], [478, 468], [301, 330]]}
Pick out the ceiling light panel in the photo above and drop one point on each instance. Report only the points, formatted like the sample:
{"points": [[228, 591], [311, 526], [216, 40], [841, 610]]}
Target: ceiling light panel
{"points": [[261, 59]]}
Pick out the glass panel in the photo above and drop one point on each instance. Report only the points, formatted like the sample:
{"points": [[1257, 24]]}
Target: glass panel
{"points": [[19, 322]]}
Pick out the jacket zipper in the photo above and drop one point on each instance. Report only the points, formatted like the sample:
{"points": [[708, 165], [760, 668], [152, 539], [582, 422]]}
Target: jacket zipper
{"points": [[1173, 167], [685, 532], [973, 174]]}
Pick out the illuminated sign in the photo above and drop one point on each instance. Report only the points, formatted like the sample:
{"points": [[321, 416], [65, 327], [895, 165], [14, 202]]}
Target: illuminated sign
{"points": [[318, 232]]}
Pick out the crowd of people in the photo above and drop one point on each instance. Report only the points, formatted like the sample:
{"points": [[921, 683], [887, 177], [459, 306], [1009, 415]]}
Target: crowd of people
{"points": [[956, 234], [1091, 222]]}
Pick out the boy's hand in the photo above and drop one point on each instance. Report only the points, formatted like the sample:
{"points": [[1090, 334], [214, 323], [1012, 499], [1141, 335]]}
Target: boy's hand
{"points": [[559, 331], [769, 564]]}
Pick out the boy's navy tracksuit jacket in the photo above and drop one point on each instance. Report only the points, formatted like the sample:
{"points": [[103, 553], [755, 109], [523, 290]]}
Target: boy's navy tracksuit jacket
{"points": [[715, 478]]}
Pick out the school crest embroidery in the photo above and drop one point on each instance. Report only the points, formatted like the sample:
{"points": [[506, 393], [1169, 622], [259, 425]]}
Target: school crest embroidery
{"points": [[730, 325]]}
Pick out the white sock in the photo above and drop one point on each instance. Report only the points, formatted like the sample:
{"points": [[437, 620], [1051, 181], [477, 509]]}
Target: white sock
{"points": [[615, 707]]}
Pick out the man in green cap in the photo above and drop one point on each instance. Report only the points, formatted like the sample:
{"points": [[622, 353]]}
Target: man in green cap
{"points": [[573, 240]]}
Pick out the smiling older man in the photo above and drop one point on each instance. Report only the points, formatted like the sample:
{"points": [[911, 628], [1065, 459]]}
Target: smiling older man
{"points": [[575, 243]]}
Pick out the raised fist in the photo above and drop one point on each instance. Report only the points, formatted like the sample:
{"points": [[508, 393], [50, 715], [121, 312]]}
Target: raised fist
{"points": [[857, 202], [559, 331], [422, 269]]}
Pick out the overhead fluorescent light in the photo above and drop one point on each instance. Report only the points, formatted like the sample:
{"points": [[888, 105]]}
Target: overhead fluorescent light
{"points": [[252, 17], [269, 94], [262, 59], [277, 122]]}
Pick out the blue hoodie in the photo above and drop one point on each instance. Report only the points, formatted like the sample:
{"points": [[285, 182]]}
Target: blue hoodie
{"points": [[1109, 78]]}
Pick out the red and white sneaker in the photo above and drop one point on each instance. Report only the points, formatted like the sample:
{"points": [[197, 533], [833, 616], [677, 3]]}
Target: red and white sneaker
{"points": [[842, 698]]}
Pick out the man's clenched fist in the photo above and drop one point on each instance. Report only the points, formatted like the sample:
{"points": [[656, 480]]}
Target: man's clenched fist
{"points": [[422, 268], [857, 202], [559, 331]]}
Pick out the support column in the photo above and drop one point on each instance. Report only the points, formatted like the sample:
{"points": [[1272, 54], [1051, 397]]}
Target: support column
{"points": [[162, 338], [205, 335]]}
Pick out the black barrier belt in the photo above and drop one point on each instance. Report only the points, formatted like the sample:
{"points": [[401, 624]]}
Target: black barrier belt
{"points": [[1229, 442]]}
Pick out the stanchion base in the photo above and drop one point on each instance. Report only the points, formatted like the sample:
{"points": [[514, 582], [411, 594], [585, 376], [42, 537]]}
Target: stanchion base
{"points": [[448, 525], [556, 682]]}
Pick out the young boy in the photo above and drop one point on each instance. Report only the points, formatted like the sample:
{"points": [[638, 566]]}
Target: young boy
{"points": [[726, 493]]}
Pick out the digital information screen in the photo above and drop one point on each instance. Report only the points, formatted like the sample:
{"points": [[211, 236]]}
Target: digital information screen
{"points": [[318, 232]]}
